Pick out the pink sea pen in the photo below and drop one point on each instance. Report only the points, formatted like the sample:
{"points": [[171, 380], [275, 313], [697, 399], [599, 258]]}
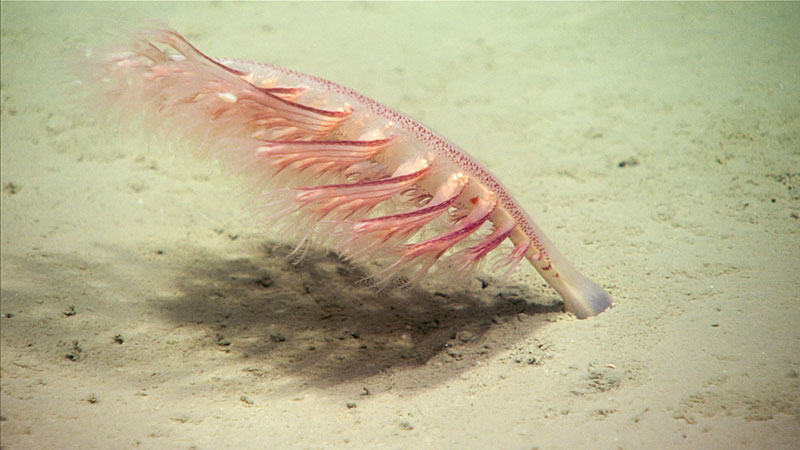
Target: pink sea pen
{"points": [[357, 176]]}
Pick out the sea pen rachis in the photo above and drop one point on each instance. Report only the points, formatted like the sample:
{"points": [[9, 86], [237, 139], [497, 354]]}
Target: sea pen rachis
{"points": [[336, 166]]}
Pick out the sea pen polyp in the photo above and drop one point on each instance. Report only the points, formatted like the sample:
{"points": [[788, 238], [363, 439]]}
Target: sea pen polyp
{"points": [[365, 180]]}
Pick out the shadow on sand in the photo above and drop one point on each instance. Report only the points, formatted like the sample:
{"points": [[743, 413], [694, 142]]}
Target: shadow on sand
{"points": [[313, 321]]}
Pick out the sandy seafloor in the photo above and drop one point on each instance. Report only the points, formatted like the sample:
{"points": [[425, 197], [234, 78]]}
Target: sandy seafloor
{"points": [[658, 145]]}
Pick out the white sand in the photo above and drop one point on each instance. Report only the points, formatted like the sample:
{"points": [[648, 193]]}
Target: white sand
{"points": [[141, 307]]}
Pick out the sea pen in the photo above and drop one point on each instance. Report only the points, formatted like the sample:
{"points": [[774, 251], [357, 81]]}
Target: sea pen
{"points": [[337, 167]]}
